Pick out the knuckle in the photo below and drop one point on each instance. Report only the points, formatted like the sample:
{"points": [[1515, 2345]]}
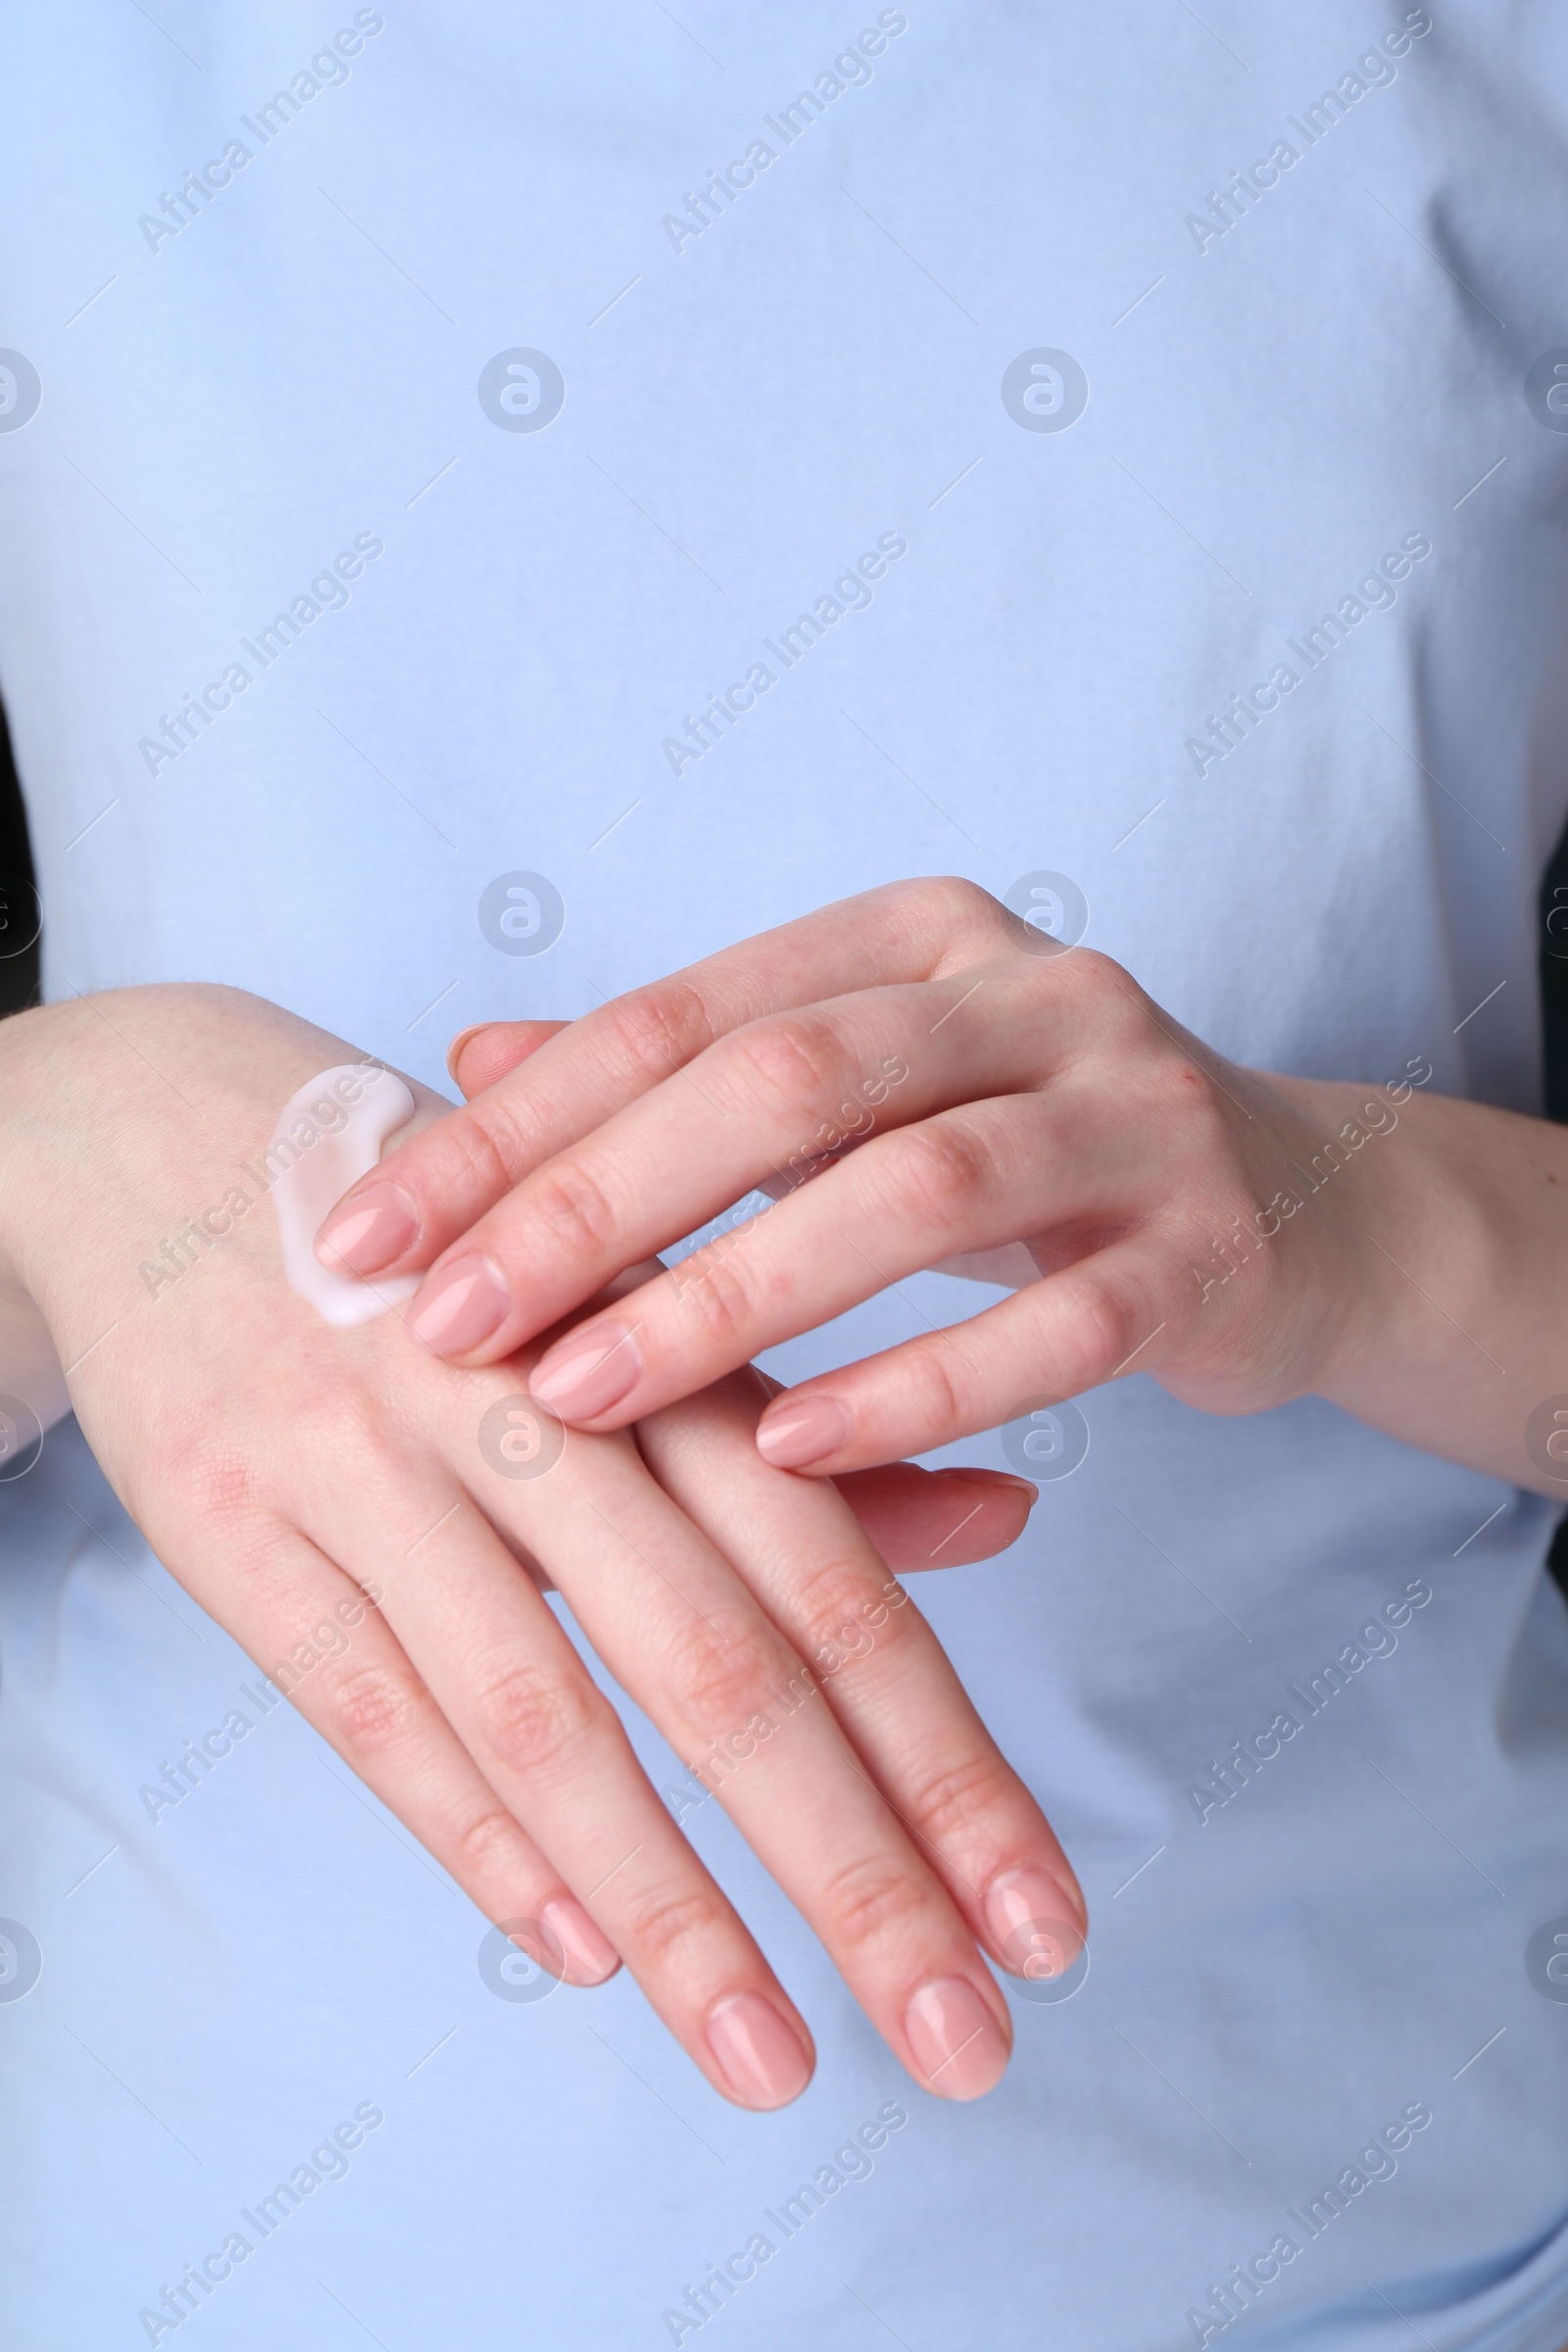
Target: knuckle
{"points": [[670, 1924], [1094, 970], [661, 1028], [1191, 1095], [345, 1422], [941, 1388], [485, 1149], [218, 1485], [530, 1721], [376, 1709], [955, 902], [581, 1219], [946, 1169], [1095, 1330], [876, 1899], [939, 917], [720, 1683], [717, 1285], [796, 1061], [947, 1804], [485, 1845], [1107, 989], [839, 1604]]}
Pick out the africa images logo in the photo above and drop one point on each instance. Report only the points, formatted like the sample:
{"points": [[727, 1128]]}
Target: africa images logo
{"points": [[21, 391]]}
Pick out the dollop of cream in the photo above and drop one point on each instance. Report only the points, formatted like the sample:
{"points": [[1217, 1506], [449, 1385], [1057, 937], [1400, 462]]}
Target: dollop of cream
{"points": [[327, 1137]]}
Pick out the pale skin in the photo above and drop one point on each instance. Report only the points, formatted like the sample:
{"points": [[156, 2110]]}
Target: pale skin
{"points": [[1184, 1217], [282, 1470]]}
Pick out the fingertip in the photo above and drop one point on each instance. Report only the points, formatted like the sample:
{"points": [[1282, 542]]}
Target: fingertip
{"points": [[456, 1049], [998, 1478], [995, 1493], [765, 2062], [588, 1373], [802, 1431], [459, 1306], [1038, 1919], [368, 1230], [968, 1516], [481, 1056], [591, 1958], [960, 2044]]}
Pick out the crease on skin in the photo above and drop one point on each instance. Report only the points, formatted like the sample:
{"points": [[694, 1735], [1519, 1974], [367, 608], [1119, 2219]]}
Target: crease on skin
{"points": [[327, 1135]]}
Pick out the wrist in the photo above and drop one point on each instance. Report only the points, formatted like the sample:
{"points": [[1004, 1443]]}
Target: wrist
{"points": [[107, 1105], [1410, 1251]]}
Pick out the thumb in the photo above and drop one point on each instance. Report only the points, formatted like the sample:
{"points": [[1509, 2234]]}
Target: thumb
{"points": [[937, 1518], [478, 1057]]}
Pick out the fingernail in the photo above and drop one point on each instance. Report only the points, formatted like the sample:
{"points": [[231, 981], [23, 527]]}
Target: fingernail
{"points": [[369, 1232], [587, 1372], [801, 1433], [459, 1306], [1037, 1922], [958, 2044], [1003, 1477], [455, 1050], [590, 1955], [759, 2056]]}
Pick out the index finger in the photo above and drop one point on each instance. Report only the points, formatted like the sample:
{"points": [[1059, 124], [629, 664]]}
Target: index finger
{"points": [[422, 1197]]}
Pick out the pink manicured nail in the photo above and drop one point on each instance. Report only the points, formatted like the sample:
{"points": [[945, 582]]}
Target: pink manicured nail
{"points": [[1037, 1922], [761, 2056], [369, 1232], [587, 1372], [801, 1433], [457, 1044], [459, 1306], [590, 1956], [958, 2044]]}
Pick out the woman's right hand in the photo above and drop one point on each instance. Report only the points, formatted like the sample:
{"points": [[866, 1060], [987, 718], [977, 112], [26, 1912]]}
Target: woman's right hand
{"points": [[283, 1470]]}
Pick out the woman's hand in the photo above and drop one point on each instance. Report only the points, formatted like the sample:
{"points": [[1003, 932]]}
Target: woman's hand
{"points": [[957, 1086], [288, 1472], [917, 1519]]}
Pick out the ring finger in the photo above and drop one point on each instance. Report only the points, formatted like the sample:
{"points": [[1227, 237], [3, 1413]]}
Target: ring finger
{"points": [[543, 1736], [879, 1664], [964, 1180]]}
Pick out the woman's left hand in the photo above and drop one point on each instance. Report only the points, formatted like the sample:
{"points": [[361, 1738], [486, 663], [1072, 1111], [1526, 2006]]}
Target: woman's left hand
{"points": [[978, 1086], [917, 1519], [962, 1090]]}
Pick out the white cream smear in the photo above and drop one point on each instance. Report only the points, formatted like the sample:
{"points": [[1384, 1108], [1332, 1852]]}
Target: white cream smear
{"points": [[327, 1137]]}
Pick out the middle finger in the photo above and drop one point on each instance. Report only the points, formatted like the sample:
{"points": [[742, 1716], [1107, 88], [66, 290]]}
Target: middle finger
{"points": [[769, 1101], [879, 1664]]}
